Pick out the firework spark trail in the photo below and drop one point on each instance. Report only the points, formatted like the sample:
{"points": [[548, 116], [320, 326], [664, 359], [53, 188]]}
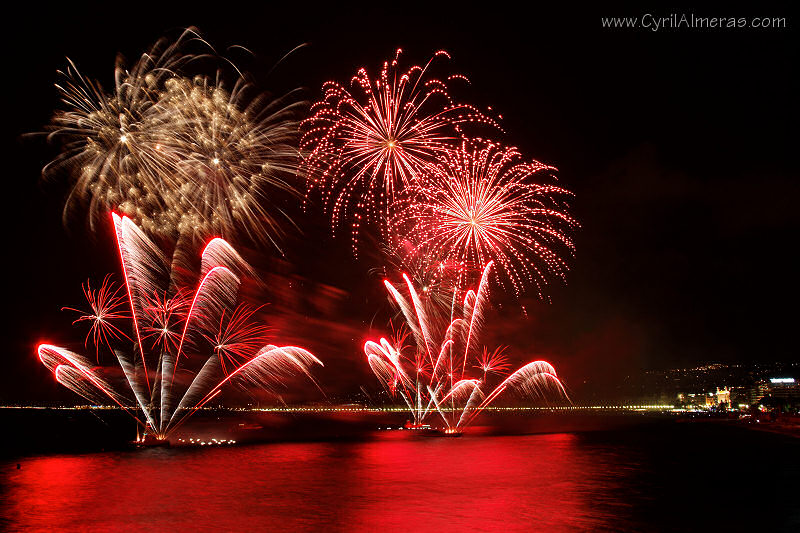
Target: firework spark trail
{"points": [[479, 203], [426, 383], [74, 379], [535, 379], [142, 266], [476, 307], [218, 252], [366, 143], [169, 381], [181, 155], [216, 292], [76, 373]]}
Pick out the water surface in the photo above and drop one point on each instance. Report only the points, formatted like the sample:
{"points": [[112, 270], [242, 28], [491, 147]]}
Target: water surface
{"points": [[681, 477]]}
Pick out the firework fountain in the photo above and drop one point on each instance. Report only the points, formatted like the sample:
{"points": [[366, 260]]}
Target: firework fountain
{"points": [[186, 344], [434, 372]]}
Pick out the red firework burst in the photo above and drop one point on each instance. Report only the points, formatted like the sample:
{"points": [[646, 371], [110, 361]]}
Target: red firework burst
{"points": [[494, 362], [366, 143], [238, 337], [480, 203], [107, 306], [166, 316]]}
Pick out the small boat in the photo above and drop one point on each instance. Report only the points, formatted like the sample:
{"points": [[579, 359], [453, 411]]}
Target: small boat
{"points": [[430, 431], [149, 441], [417, 427], [435, 432]]}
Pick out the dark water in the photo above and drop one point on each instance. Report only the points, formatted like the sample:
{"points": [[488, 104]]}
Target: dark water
{"points": [[663, 477]]}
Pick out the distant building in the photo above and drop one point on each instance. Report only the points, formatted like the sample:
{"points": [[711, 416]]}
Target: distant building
{"points": [[708, 377], [705, 400], [787, 389], [737, 385], [724, 396], [783, 388], [757, 391], [701, 400]]}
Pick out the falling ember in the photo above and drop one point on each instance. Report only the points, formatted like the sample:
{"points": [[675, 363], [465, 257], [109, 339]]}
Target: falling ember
{"points": [[431, 375], [482, 202], [367, 143], [182, 156], [188, 344]]}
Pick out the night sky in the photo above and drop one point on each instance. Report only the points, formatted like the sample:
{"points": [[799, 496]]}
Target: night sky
{"points": [[680, 146]]}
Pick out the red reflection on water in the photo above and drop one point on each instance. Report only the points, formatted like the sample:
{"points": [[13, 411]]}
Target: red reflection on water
{"points": [[501, 483], [397, 481]]}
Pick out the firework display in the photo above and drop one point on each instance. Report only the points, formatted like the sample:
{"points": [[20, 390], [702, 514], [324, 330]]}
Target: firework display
{"points": [[187, 344], [480, 203], [179, 158], [368, 143], [432, 373], [180, 155], [397, 153]]}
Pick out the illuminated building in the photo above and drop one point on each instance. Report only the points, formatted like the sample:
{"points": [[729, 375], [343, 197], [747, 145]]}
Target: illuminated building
{"points": [[741, 380], [706, 400], [723, 396], [757, 391], [785, 388], [700, 400]]}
